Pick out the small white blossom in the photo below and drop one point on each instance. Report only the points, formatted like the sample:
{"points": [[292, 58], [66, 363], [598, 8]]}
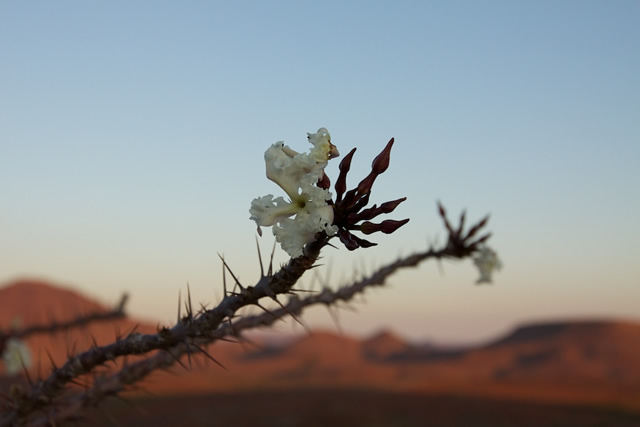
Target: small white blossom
{"points": [[294, 233], [486, 260], [297, 174], [16, 356]]}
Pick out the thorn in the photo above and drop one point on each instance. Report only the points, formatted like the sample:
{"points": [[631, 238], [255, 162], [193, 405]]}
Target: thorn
{"points": [[54, 367], [232, 275], [188, 305], [177, 359], [122, 303], [336, 319], [260, 258], [267, 311], [273, 251], [291, 314], [179, 305], [203, 351], [224, 279], [203, 308], [133, 330]]}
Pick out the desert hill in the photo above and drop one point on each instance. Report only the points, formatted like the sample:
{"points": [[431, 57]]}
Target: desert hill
{"points": [[385, 345], [563, 361], [28, 303]]}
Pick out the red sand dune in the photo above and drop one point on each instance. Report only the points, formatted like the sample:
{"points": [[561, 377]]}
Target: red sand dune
{"points": [[578, 362]]}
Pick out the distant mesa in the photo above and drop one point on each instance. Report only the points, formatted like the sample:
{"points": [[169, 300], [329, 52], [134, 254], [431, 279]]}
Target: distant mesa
{"points": [[383, 346], [31, 302], [584, 329]]}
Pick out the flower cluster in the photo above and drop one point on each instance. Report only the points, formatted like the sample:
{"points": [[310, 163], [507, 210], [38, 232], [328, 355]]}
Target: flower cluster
{"points": [[302, 177], [348, 210], [486, 260], [298, 175]]}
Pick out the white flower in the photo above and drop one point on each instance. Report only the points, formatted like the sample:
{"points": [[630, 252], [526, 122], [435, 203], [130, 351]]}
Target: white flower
{"points": [[16, 356], [486, 259], [297, 174], [294, 233]]}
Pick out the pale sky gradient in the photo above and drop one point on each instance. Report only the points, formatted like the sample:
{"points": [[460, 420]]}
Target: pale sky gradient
{"points": [[132, 136]]}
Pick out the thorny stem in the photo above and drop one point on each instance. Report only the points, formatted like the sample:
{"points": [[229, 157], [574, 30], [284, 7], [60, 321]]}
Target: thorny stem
{"points": [[44, 392], [135, 372], [191, 332]]}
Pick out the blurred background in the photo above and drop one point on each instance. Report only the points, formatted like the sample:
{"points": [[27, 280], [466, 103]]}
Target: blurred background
{"points": [[132, 137]]}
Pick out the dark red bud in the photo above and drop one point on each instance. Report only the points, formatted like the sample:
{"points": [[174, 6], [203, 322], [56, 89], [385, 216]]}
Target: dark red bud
{"points": [[443, 214], [463, 217], [374, 211], [482, 239], [388, 207], [361, 203], [345, 164], [364, 215], [341, 182], [387, 227], [381, 162], [477, 227], [349, 199], [366, 184], [363, 243], [348, 240]]}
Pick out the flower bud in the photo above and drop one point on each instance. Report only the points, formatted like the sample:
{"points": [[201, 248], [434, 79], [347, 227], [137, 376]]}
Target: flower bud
{"points": [[381, 162], [387, 227], [341, 183]]}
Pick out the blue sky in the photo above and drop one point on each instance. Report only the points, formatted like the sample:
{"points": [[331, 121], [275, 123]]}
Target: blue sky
{"points": [[132, 137]]}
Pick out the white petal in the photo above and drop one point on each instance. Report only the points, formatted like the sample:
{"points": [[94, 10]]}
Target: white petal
{"points": [[266, 211]]}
